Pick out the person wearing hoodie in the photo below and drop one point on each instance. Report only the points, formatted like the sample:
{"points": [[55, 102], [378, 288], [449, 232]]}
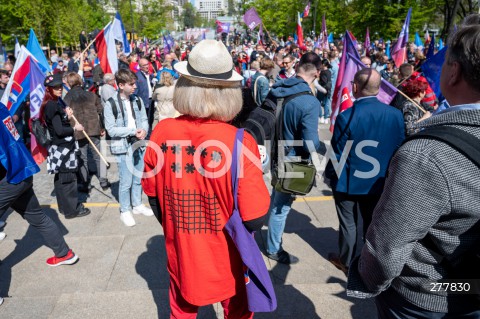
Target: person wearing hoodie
{"points": [[300, 123]]}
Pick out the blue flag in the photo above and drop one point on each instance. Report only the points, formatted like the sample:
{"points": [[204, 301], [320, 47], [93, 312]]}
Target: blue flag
{"points": [[440, 44], [431, 47], [432, 68], [418, 41], [330, 37], [14, 156], [34, 47]]}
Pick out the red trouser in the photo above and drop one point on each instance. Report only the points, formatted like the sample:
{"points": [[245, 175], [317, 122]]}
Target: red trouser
{"points": [[235, 307]]}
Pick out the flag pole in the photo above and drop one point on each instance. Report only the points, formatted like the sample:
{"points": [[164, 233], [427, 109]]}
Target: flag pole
{"points": [[93, 145], [414, 103], [274, 42]]}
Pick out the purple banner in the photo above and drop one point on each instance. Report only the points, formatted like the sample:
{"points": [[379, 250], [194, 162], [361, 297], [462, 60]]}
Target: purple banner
{"points": [[252, 19]]}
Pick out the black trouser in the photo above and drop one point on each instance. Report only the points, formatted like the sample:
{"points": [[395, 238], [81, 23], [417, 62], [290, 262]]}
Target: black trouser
{"points": [[348, 208], [23, 200], [84, 175], [65, 185]]}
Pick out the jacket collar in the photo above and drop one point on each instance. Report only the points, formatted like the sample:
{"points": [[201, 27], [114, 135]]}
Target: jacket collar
{"points": [[470, 117]]}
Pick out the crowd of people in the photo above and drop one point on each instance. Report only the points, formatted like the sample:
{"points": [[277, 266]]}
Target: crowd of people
{"points": [[416, 196]]}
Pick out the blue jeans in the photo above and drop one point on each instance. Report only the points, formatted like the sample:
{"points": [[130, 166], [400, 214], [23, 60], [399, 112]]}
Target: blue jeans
{"points": [[130, 167], [327, 105], [280, 205]]}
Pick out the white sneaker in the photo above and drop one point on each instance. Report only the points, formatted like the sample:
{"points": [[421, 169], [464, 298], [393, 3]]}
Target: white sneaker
{"points": [[2, 235], [326, 121], [321, 120], [1, 300], [127, 219], [142, 209]]}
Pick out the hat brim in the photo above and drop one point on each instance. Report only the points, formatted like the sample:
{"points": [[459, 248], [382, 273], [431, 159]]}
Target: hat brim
{"points": [[233, 80], [55, 83]]}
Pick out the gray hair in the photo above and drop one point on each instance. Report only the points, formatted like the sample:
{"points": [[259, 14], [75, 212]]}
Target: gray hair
{"points": [[108, 77], [464, 48], [207, 100]]}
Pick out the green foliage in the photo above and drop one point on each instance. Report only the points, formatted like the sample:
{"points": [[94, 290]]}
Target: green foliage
{"points": [[384, 18], [188, 15], [59, 22]]}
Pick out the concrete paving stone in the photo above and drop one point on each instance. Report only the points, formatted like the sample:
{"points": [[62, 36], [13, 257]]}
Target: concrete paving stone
{"points": [[20, 271], [313, 267], [27, 307], [324, 211], [110, 224], [141, 264], [121, 304]]}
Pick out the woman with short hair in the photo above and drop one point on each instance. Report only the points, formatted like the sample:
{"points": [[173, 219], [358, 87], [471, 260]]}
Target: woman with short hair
{"points": [[415, 90], [163, 96], [188, 182], [87, 108]]}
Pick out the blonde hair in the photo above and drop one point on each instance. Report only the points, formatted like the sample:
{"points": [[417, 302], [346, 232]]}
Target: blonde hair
{"points": [[207, 100], [74, 79], [166, 78]]}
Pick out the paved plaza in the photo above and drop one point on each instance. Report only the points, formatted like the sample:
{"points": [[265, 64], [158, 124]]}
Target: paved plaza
{"points": [[122, 271]]}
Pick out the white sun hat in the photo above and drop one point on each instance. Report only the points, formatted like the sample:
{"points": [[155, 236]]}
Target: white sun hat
{"points": [[210, 63]]}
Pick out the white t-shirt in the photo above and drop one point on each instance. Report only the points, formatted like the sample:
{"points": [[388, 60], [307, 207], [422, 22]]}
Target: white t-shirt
{"points": [[130, 120]]}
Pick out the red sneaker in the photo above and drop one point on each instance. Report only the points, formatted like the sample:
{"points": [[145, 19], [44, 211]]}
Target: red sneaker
{"points": [[69, 259]]}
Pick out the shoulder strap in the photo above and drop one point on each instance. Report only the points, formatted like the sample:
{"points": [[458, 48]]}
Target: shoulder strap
{"points": [[114, 107], [237, 152], [255, 88], [279, 119], [458, 139], [464, 143]]}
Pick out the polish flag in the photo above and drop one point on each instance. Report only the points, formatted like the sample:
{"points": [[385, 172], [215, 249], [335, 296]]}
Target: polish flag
{"points": [[107, 51]]}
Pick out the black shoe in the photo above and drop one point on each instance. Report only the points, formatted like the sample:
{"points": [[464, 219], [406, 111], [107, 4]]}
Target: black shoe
{"points": [[283, 257], [83, 212], [105, 185]]}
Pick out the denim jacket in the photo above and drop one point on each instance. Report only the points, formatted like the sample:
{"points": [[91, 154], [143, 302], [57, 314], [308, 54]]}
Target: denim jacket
{"points": [[118, 129]]}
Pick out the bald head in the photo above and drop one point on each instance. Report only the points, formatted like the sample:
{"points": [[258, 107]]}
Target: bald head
{"points": [[366, 83]]}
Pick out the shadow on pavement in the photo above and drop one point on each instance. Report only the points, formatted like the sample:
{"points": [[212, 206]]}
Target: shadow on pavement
{"points": [[152, 266], [30, 242], [291, 303], [324, 241]]}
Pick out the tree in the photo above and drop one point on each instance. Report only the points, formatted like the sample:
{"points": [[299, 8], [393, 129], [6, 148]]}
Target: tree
{"points": [[188, 15]]}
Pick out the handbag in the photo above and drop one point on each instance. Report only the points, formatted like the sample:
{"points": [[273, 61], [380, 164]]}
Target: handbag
{"points": [[260, 293], [295, 178], [292, 183]]}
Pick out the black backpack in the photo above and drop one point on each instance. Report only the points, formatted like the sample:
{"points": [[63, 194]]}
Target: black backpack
{"points": [[261, 121], [41, 132], [115, 108]]}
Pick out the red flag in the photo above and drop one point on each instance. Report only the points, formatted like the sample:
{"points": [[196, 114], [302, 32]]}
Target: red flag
{"points": [[299, 30], [346, 102], [107, 51], [306, 11]]}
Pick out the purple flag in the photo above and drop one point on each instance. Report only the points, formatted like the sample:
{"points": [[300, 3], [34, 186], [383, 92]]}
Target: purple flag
{"points": [[349, 65], [399, 51], [252, 19], [324, 33], [367, 43]]}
